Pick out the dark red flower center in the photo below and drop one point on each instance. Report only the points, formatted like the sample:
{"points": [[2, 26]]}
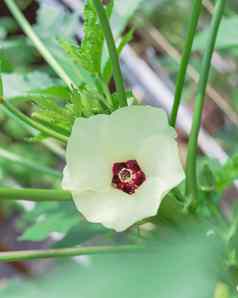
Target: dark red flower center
{"points": [[127, 176]]}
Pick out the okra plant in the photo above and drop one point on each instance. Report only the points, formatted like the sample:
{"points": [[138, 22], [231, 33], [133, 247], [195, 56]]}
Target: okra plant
{"points": [[121, 175]]}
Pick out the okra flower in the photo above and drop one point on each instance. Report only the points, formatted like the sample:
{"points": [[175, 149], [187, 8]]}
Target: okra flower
{"points": [[119, 167]]}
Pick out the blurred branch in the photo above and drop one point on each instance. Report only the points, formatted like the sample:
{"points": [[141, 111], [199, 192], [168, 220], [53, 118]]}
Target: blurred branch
{"points": [[191, 165], [36, 195], [196, 11], [17, 265], [67, 252], [157, 94], [218, 61], [112, 51], [154, 36]]}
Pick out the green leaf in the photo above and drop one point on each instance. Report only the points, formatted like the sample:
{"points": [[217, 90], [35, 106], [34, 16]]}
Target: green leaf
{"points": [[228, 173], [88, 101], [57, 93], [8, 24], [180, 266], [48, 224], [89, 53], [39, 209], [222, 291], [58, 108], [131, 100], [52, 99], [1, 81], [227, 37], [60, 24], [21, 84], [17, 53], [48, 217], [62, 123]]}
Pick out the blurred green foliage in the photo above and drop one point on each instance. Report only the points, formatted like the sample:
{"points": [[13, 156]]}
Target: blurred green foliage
{"points": [[181, 266], [188, 261]]}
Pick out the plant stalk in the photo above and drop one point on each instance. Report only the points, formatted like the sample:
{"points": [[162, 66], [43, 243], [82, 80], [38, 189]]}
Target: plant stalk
{"points": [[35, 195], [191, 165], [66, 252], [112, 51], [196, 11]]}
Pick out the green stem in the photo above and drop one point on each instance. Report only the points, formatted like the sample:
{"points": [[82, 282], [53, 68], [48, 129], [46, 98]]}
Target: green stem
{"points": [[191, 181], [196, 11], [112, 51], [23, 119], [66, 252], [26, 27], [35, 195]]}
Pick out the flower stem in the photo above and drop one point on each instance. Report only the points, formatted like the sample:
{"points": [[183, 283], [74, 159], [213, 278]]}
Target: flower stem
{"points": [[66, 252], [112, 51], [36, 195], [196, 11], [26, 27], [191, 181]]}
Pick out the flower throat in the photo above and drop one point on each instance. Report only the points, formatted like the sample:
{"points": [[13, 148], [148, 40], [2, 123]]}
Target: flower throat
{"points": [[127, 176]]}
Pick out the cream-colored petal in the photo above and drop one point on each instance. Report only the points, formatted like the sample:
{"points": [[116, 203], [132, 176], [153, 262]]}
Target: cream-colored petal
{"points": [[118, 210], [159, 157], [99, 141], [130, 126], [87, 164]]}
